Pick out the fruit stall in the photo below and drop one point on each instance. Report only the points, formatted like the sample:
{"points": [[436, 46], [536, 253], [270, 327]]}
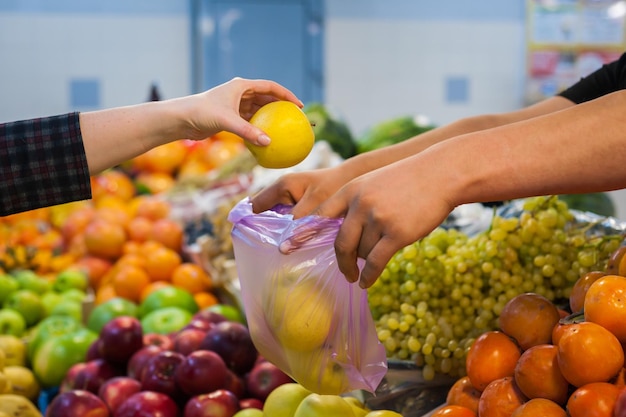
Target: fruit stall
{"points": [[132, 303]]}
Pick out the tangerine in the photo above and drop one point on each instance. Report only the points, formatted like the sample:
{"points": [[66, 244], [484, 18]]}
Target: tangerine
{"points": [[104, 239], [161, 263], [129, 281], [192, 277]]}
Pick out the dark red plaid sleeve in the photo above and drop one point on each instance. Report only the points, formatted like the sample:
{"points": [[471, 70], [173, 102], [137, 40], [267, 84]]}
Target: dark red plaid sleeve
{"points": [[42, 163]]}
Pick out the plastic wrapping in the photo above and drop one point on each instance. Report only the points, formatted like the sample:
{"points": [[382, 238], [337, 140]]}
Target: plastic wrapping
{"points": [[302, 313]]}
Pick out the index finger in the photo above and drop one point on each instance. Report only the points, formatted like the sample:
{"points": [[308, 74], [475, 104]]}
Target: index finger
{"points": [[270, 90]]}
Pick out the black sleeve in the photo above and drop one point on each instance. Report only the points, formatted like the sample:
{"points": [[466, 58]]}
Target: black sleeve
{"points": [[608, 79]]}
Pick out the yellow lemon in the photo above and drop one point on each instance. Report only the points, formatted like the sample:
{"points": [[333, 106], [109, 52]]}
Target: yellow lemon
{"points": [[316, 405], [290, 131], [299, 313]]}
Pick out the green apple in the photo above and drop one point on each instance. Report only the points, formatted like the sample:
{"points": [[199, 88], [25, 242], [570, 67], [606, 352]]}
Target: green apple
{"points": [[249, 412], [12, 322], [284, 400], [49, 328], [169, 296], [56, 356], [49, 301], [324, 405], [166, 320], [29, 280], [28, 304], [8, 285], [74, 294], [69, 308], [70, 279], [231, 312], [105, 312]]}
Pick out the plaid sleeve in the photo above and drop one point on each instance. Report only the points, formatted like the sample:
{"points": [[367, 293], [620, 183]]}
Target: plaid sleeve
{"points": [[42, 163]]}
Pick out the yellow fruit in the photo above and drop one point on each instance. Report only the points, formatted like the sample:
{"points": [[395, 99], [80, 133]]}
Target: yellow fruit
{"points": [[3, 359], [290, 131], [284, 400], [23, 381], [383, 413], [324, 405], [299, 313], [5, 384], [14, 350], [318, 372], [359, 409]]}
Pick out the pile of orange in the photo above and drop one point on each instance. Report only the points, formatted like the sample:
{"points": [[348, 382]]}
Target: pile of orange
{"points": [[551, 362]]}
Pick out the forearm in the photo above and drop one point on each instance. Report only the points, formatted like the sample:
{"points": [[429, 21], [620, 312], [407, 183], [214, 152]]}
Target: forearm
{"points": [[571, 151], [369, 161]]}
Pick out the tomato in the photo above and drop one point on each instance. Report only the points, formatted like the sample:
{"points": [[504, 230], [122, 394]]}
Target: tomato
{"points": [[500, 399], [538, 375], [587, 353], [539, 407], [453, 411], [605, 304], [580, 287], [593, 400], [529, 319], [464, 394], [493, 355]]}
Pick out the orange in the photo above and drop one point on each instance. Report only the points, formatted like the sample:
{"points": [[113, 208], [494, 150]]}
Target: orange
{"points": [[139, 228], [104, 239], [161, 263], [155, 182], [205, 299], [129, 281], [152, 207], [168, 232], [191, 277], [112, 182], [134, 259], [104, 293], [151, 287]]}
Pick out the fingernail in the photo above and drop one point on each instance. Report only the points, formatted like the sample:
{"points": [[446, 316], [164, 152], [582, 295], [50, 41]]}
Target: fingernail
{"points": [[264, 139]]}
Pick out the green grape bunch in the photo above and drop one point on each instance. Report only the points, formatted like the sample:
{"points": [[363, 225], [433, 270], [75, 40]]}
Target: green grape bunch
{"points": [[437, 295]]}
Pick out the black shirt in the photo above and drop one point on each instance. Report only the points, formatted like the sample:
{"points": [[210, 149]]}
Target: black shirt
{"points": [[607, 79]]}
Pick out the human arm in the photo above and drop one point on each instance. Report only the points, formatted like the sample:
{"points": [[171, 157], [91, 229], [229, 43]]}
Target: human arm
{"points": [[308, 189], [573, 150]]}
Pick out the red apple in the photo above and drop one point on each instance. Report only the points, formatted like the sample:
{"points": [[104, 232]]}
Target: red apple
{"points": [[77, 403], [116, 390], [121, 338], [188, 340], [148, 403], [235, 384], [209, 316], [264, 378], [201, 372], [199, 323], [232, 341], [137, 362], [91, 376], [70, 377], [94, 350], [159, 373], [219, 403], [161, 340], [251, 403]]}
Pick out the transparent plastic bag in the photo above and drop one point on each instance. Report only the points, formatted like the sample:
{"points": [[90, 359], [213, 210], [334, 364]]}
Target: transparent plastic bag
{"points": [[302, 313]]}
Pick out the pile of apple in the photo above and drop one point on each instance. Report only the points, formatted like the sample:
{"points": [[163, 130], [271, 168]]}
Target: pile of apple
{"points": [[208, 368]]}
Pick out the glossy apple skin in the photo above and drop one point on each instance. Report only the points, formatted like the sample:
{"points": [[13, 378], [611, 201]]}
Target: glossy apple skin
{"points": [[116, 390], [264, 378], [251, 403], [201, 372], [77, 403], [209, 316], [232, 341], [188, 340], [138, 361], [148, 403], [161, 340], [91, 376], [219, 403], [159, 374], [120, 339]]}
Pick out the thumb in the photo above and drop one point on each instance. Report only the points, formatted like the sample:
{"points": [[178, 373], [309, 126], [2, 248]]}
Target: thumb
{"points": [[248, 132]]}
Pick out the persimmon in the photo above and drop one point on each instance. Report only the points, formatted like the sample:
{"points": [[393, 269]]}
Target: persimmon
{"points": [[129, 281], [453, 411], [139, 229], [613, 264], [537, 407], [168, 232], [588, 353], [500, 398], [192, 277], [605, 304], [161, 263], [493, 355], [538, 375], [104, 239], [152, 207], [464, 394], [580, 287], [529, 319], [596, 399]]}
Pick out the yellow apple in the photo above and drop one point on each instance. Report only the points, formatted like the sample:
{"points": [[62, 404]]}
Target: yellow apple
{"points": [[359, 409], [317, 371], [383, 413], [284, 400], [249, 412], [316, 405]]}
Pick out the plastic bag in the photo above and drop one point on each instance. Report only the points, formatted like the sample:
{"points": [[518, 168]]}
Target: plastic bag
{"points": [[303, 315]]}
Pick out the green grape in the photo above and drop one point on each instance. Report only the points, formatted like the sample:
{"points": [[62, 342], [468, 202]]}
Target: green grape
{"points": [[437, 295]]}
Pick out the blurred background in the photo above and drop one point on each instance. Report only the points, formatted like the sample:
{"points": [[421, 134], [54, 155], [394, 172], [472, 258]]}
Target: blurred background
{"points": [[366, 60]]}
